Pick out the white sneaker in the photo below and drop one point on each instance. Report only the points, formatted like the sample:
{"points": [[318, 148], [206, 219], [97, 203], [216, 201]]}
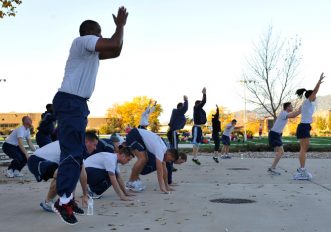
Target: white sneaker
{"points": [[302, 174], [47, 206], [18, 173], [134, 186], [140, 184], [10, 173]]}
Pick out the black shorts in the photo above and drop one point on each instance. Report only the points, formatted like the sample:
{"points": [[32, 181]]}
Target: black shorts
{"points": [[225, 140], [303, 131], [135, 141], [275, 139]]}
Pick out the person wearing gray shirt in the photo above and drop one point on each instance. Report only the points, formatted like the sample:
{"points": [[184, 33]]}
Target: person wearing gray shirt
{"points": [[275, 134]]}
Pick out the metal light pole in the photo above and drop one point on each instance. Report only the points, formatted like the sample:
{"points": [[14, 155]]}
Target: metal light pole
{"points": [[245, 134], [245, 111], [245, 116]]}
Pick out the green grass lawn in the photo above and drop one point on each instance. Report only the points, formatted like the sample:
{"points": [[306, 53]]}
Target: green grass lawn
{"points": [[290, 144], [314, 141]]}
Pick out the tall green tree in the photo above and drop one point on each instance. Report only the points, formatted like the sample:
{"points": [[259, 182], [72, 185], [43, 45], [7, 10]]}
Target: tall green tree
{"points": [[8, 7]]}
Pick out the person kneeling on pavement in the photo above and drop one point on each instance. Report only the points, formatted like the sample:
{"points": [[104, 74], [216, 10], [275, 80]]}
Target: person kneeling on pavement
{"points": [[142, 141], [103, 171]]}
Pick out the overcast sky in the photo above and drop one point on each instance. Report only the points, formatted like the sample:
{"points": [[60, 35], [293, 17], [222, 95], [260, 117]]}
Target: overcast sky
{"points": [[171, 48]]}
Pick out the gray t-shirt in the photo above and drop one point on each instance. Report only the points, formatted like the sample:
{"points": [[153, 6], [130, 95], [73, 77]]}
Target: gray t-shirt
{"points": [[50, 152], [307, 111], [20, 132], [103, 160], [154, 144], [81, 67], [280, 122], [228, 129]]}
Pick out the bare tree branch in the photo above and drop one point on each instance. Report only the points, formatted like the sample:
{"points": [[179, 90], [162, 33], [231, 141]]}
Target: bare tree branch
{"points": [[271, 71]]}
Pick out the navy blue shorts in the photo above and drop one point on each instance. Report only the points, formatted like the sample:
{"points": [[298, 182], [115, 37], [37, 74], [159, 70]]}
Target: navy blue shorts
{"points": [[303, 131], [275, 139], [225, 140], [150, 165], [42, 169], [135, 141], [196, 135], [98, 180]]}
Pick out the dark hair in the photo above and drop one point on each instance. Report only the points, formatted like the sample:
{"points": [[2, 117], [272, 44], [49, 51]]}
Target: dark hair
{"points": [[179, 105], [90, 135], [174, 153], [49, 107], [234, 120], [127, 151], [197, 102], [286, 104], [89, 27], [300, 92], [182, 156]]}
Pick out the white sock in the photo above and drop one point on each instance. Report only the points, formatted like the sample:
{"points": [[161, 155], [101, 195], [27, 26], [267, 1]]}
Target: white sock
{"points": [[64, 199]]}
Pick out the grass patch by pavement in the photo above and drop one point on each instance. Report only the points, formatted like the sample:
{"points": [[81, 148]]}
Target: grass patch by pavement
{"points": [[290, 144]]}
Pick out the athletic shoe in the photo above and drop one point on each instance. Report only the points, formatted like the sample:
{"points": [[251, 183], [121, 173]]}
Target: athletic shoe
{"points": [[215, 159], [92, 194], [10, 173], [140, 184], [77, 209], [135, 186], [302, 174], [196, 161], [47, 206], [18, 174], [273, 172], [225, 157], [65, 211]]}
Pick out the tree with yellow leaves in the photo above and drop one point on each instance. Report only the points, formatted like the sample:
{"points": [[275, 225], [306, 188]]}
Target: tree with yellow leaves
{"points": [[129, 113], [8, 7]]}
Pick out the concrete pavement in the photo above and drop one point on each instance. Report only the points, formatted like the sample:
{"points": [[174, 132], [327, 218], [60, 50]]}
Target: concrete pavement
{"points": [[282, 204]]}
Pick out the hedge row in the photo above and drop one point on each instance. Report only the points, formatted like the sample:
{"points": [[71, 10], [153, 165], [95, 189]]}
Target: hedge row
{"points": [[260, 148]]}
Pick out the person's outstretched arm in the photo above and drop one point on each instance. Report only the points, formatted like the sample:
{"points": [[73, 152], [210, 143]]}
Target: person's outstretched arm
{"points": [[320, 81], [117, 187], [151, 110], [122, 186], [183, 110], [83, 183], [217, 112], [29, 142], [22, 148], [204, 97], [111, 48], [160, 178], [294, 114]]}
